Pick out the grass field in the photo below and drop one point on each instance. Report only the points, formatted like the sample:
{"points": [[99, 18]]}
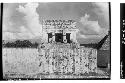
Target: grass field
{"points": [[20, 60]]}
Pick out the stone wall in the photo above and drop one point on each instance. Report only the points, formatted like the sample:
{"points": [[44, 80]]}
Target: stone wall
{"points": [[64, 59], [61, 59]]}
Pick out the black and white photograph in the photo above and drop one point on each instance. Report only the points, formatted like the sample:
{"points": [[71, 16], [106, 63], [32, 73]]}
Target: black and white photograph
{"points": [[56, 40]]}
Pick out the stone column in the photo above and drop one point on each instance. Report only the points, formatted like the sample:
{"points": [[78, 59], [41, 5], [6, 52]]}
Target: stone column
{"points": [[64, 37], [53, 36]]}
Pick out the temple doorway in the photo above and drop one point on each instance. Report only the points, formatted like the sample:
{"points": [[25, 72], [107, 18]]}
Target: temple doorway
{"points": [[68, 37], [59, 37]]}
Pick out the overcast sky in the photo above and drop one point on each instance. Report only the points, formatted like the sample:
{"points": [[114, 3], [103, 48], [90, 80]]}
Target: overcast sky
{"points": [[24, 20]]}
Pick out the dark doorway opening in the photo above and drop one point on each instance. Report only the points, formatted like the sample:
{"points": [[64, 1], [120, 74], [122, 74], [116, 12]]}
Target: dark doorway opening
{"points": [[68, 37], [49, 36], [59, 37]]}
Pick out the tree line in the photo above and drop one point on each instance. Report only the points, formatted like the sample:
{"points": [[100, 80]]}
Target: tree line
{"points": [[20, 44], [29, 44]]}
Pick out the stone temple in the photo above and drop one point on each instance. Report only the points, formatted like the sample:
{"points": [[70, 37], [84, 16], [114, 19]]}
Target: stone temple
{"points": [[62, 54], [60, 31]]}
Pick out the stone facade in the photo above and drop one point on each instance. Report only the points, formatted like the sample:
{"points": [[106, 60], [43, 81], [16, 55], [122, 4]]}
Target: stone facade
{"points": [[63, 59], [59, 26]]}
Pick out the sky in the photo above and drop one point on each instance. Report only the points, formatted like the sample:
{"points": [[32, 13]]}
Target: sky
{"points": [[24, 20]]}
